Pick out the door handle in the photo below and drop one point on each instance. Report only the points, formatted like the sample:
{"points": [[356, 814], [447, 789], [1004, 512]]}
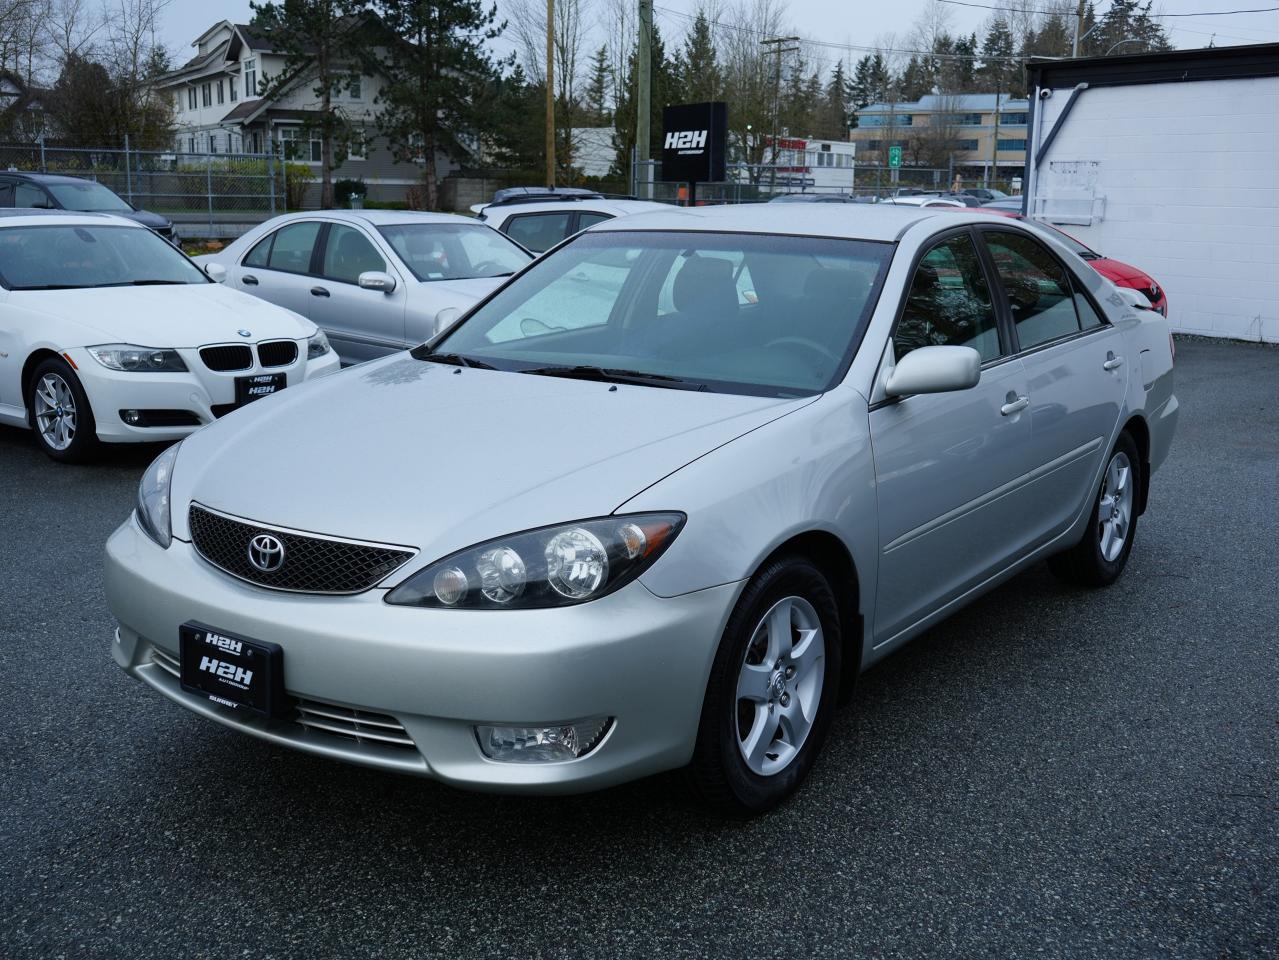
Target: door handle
{"points": [[249, 281], [1015, 404], [319, 292], [1112, 362]]}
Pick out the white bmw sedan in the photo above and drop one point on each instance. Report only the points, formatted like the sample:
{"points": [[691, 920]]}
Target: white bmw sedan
{"points": [[376, 281], [109, 334], [579, 539]]}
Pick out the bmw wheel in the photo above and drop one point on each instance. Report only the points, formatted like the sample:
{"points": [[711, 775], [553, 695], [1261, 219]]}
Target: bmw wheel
{"points": [[772, 691], [60, 413], [1099, 558]]}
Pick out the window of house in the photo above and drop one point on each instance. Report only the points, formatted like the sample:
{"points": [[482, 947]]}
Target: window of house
{"points": [[874, 144], [1012, 144], [298, 145], [355, 89], [250, 78], [232, 85], [1038, 289], [965, 144], [1013, 119], [968, 119], [949, 303], [190, 144], [191, 102], [206, 94], [221, 92]]}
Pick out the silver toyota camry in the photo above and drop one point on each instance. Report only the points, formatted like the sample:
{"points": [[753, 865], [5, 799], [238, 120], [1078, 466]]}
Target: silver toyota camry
{"points": [[655, 503]]}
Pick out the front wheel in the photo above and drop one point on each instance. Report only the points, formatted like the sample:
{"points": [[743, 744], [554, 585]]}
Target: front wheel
{"points": [[1099, 558], [772, 691], [60, 413]]}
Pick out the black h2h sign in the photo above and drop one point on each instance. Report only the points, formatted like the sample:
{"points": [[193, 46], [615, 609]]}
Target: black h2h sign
{"points": [[694, 139]]}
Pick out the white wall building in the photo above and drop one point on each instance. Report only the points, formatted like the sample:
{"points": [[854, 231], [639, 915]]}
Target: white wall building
{"points": [[823, 166], [1169, 161]]}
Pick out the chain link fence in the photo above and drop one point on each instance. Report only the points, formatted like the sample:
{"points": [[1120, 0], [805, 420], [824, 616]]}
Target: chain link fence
{"points": [[215, 194]]}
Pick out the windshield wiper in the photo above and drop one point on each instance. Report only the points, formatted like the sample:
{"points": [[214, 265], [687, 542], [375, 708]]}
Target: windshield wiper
{"points": [[157, 283], [615, 375], [53, 286], [455, 359]]}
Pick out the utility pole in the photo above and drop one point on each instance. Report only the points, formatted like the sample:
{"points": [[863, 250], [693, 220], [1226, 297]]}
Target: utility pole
{"points": [[644, 96], [778, 45], [994, 149], [550, 93], [1079, 27]]}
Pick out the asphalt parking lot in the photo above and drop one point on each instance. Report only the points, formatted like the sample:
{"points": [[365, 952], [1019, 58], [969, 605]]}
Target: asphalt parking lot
{"points": [[1051, 773]]}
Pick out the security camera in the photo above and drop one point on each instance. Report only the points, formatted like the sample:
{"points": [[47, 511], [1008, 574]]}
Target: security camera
{"points": [[1045, 93]]}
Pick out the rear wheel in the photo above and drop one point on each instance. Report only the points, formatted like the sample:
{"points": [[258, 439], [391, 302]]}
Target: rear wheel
{"points": [[60, 413], [1099, 558], [772, 691]]}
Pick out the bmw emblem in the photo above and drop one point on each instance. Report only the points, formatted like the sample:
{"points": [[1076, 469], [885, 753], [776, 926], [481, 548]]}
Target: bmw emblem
{"points": [[245, 333], [266, 553]]}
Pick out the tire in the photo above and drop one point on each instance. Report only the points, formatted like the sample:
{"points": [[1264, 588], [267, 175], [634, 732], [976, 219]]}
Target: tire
{"points": [[61, 417], [1099, 558], [786, 718]]}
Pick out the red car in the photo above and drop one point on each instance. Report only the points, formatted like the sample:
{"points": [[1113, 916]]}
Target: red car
{"points": [[1116, 271]]}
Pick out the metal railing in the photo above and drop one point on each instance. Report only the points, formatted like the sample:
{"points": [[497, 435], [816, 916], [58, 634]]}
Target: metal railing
{"points": [[213, 192]]}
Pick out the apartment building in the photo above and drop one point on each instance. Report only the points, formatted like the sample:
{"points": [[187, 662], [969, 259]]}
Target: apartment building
{"points": [[973, 134], [218, 109]]}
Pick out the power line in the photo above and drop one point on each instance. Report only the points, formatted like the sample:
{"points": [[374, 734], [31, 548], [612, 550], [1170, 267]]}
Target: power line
{"points": [[1003, 8]]}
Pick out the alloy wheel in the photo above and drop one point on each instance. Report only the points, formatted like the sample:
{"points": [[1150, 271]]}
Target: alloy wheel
{"points": [[779, 686], [55, 411], [1114, 512]]}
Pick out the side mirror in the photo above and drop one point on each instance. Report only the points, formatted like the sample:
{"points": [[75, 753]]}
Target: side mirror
{"points": [[1134, 298], [934, 370], [215, 272], [377, 280]]}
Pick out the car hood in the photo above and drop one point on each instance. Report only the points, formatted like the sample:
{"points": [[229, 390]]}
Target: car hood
{"points": [[410, 452], [145, 217], [457, 293], [170, 316], [1124, 274]]}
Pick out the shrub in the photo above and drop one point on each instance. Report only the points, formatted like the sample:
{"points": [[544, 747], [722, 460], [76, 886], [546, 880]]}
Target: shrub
{"points": [[347, 188]]}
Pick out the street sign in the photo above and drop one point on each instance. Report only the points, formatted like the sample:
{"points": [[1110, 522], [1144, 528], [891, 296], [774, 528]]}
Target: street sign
{"points": [[894, 156]]}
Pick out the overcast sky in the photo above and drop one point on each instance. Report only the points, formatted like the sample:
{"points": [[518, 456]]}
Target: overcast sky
{"points": [[856, 22]]}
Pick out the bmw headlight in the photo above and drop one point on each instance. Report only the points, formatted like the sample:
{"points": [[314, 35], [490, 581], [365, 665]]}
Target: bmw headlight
{"points": [[153, 497], [130, 359], [317, 346], [551, 567]]}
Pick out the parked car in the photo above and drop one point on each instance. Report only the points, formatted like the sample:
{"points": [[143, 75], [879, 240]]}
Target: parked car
{"points": [[540, 221], [109, 334], [924, 200], [561, 547], [376, 281], [47, 191], [1007, 204], [1116, 271], [812, 198], [985, 194]]}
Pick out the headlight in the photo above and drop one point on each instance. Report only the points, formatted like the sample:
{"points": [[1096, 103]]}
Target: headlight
{"points": [[550, 567], [317, 346], [153, 497], [131, 359]]}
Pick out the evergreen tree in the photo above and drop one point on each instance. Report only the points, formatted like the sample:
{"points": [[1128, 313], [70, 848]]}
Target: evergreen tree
{"points": [[515, 108], [698, 75], [662, 83], [597, 89], [870, 82], [833, 114], [435, 67], [1128, 27], [916, 79], [999, 71], [323, 42]]}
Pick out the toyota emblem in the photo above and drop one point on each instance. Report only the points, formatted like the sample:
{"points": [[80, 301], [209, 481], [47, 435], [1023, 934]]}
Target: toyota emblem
{"points": [[266, 553]]}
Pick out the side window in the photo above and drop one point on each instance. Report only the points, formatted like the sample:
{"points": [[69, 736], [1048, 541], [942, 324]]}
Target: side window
{"points": [[6, 193], [29, 195], [1088, 317], [291, 251], [585, 220], [348, 253], [260, 253], [949, 303], [538, 231], [1038, 289]]}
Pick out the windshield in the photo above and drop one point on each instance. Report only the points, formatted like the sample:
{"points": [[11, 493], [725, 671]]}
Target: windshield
{"points": [[87, 197], [70, 257], [736, 313], [454, 251]]}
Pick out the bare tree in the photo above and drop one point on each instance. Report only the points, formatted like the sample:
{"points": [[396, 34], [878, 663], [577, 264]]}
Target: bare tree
{"points": [[750, 76], [528, 27]]}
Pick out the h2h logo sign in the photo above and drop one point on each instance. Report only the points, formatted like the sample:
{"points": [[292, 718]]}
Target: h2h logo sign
{"points": [[686, 141]]}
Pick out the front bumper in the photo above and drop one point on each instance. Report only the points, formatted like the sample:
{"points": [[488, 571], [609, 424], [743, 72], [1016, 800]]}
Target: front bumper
{"points": [[196, 391], [638, 658]]}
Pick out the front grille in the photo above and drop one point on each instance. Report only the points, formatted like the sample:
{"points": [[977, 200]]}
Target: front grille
{"points": [[359, 725], [311, 563], [362, 726], [277, 353], [233, 356]]}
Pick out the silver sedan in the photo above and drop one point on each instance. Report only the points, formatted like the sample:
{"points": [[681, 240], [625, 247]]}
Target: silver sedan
{"points": [[579, 539]]}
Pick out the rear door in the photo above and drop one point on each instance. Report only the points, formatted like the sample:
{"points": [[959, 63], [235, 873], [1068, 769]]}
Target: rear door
{"points": [[279, 268], [362, 324], [1076, 371], [950, 468]]}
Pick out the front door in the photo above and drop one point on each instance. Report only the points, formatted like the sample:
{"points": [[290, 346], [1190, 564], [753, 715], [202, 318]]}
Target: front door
{"points": [[950, 468], [361, 324], [1075, 370]]}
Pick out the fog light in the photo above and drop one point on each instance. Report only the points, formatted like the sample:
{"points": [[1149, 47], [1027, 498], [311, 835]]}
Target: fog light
{"points": [[131, 417], [553, 744]]}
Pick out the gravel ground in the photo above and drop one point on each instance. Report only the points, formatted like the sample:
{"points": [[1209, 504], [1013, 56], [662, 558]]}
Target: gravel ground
{"points": [[1050, 773]]}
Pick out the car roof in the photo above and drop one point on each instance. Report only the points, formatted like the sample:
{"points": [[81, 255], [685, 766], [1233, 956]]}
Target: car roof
{"points": [[44, 177], [603, 204], [375, 217], [18, 216], [883, 222]]}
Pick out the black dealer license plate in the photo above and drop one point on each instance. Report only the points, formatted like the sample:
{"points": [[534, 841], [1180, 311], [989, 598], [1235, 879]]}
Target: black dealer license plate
{"points": [[232, 670], [248, 389]]}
